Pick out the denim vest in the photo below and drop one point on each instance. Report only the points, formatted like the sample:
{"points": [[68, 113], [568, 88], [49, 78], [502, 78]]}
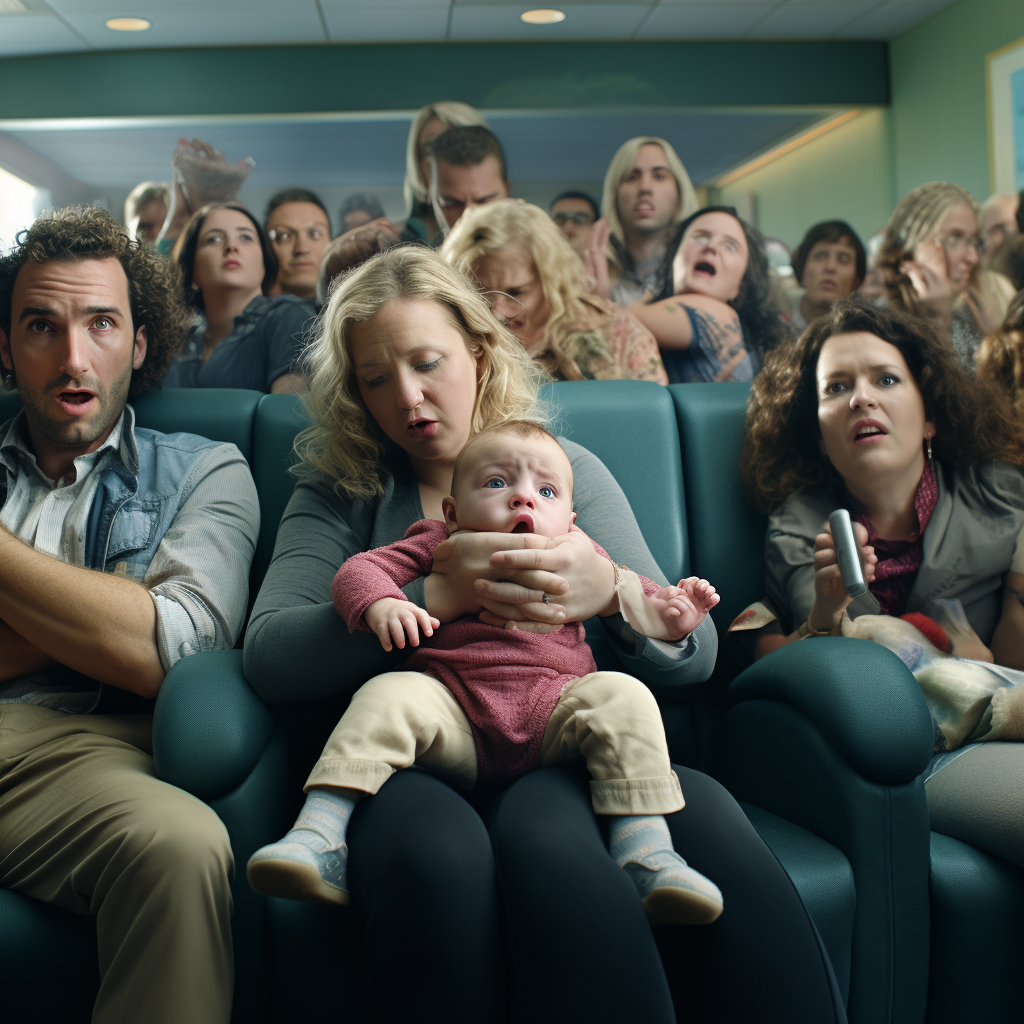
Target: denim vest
{"points": [[139, 495]]}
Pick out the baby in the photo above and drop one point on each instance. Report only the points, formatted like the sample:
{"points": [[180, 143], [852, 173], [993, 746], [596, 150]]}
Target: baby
{"points": [[480, 704]]}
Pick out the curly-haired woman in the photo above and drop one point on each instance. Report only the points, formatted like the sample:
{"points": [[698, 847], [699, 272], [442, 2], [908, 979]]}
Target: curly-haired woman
{"points": [[870, 411], [1001, 356], [533, 280]]}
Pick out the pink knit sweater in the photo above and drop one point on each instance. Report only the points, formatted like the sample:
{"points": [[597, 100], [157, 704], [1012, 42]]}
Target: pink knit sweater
{"points": [[506, 681]]}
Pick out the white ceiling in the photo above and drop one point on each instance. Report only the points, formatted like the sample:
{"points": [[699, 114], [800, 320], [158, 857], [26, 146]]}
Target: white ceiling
{"points": [[62, 26]]}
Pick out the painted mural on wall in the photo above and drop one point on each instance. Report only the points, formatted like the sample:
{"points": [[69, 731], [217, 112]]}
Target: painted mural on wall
{"points": [[1005, 82]]}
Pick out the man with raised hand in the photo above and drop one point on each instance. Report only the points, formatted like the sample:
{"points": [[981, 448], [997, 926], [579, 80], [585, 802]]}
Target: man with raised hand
{"points": [[122, 550]]}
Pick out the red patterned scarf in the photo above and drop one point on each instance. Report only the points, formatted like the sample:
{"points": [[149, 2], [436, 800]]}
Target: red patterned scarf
{"points": [[900, 559]]}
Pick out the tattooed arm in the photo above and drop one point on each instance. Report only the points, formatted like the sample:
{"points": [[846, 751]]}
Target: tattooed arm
{"points": [[1008, 639], [669, 321]]}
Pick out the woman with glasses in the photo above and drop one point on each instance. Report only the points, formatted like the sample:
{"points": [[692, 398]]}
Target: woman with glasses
{"points": [[535, 283], [242, 337], [929, 263]]}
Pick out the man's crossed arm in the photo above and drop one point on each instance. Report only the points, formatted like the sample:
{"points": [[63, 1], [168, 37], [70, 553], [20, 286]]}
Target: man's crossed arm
{"points": [[101, 625]]}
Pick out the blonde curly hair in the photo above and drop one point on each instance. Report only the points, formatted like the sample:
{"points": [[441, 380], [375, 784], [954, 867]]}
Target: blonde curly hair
{"points": [[344, 444], [514, 227]]}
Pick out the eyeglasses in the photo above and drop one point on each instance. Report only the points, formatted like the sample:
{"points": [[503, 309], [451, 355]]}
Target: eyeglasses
{"points": [[509, 310], [956, 245], [286, 235], [579, 218]]}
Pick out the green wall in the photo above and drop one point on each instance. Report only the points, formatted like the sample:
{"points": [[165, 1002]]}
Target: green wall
{"points": [[532, 76], [844, 174], [939, 115], [936, 128]]}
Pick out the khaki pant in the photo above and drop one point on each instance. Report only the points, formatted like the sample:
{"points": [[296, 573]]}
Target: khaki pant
{"points": [[85, 825], [610, 719]]}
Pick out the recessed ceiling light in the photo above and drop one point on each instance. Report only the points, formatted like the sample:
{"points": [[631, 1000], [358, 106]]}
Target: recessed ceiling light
{"points": [[542, 16], [128, 24]]}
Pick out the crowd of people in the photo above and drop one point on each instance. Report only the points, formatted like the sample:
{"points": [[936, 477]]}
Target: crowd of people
{"points": [[662, 289], [446, 549]]}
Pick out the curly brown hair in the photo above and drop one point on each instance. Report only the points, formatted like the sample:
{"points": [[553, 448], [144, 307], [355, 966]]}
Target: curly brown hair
{"points": [[1001, 357], [781, 448], [89, 233]]}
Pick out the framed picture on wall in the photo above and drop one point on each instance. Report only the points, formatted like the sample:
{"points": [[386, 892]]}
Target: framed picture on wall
{"points": [[1004, 73]]}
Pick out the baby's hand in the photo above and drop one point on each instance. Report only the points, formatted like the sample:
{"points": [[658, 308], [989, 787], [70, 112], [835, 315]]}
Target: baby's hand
{"points": [[684, 608], [391, 618]]}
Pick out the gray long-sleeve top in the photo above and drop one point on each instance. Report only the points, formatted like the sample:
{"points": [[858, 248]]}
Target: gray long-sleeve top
{"points": [[297, 646]]}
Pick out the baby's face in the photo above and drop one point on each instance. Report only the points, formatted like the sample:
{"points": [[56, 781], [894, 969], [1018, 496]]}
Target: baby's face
{"points": [[514, 485]]}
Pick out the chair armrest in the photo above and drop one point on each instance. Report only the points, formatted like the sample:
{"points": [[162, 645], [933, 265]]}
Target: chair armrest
{"points": [[861, 697], [209, 727]]}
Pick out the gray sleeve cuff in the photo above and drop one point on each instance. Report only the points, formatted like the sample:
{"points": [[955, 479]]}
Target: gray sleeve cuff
{"points": [[657, 661]]}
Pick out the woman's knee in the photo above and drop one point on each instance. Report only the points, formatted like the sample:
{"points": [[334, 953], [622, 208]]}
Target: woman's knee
{"points": [[977, 798], [417, 829]]}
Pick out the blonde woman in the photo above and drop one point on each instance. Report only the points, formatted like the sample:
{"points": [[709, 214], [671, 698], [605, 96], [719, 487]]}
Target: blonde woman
{"points": [[532, 278], [929, 262], [428, 123], [408, 364], [646, 193]]}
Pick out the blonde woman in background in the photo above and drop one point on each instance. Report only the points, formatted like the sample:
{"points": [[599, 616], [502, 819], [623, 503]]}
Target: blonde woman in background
{"points": [[428, 123], [534, 281], [929, 261], [646, 193]]}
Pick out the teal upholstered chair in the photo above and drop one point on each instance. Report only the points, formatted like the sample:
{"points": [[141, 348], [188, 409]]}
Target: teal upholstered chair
{"points": [[216, 764], [830, 736], [630, 426]]}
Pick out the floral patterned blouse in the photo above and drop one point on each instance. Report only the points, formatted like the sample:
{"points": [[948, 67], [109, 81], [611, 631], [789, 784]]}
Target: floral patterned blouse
{"points": [[619, 348]]}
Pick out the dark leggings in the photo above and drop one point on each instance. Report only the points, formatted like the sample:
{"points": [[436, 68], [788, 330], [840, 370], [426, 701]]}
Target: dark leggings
{"points": [[568, 925]]}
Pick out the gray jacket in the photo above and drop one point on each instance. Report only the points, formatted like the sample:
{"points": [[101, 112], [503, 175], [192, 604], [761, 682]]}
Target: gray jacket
{"points": [[968, 546]]}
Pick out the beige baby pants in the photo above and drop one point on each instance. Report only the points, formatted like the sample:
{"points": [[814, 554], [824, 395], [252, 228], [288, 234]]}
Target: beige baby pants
{"points": [[610, 719], [86, 825]]}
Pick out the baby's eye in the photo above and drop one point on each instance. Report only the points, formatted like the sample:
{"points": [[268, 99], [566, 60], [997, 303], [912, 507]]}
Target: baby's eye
{"points": [[495, 482], [546, 492]]}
